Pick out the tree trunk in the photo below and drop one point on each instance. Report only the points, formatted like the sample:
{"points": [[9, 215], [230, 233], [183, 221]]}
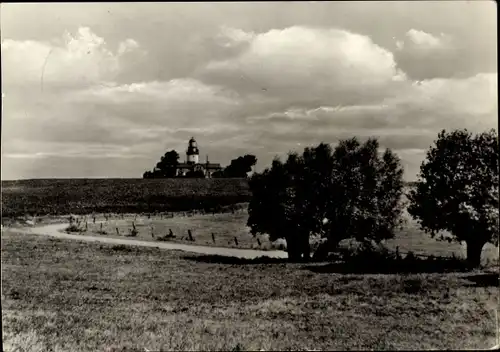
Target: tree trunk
{"points": [[305, 247], [474, 249], [293, 248]]}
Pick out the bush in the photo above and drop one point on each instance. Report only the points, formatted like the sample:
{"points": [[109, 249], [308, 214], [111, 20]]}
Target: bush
{"points": [[379, 259], [74, 228]]}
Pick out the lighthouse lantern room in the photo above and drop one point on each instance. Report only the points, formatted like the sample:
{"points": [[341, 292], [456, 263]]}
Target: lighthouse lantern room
{"points": [[192, 152]]}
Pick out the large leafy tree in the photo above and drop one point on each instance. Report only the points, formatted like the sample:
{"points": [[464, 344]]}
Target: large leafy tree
{"points": [[355, 189], [166, 167], [366, 194], [275, 207], [457, 190]]}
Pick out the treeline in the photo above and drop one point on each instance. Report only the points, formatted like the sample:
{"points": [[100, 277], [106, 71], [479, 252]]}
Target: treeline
{"points": [[167, 167], [355, 192]]}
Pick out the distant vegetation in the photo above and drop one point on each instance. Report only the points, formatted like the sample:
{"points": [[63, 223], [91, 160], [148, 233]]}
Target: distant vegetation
{"points": [[167, 168], [239, 167], [84, 196]]}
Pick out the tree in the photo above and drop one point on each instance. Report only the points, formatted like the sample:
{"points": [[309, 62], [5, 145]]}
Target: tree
{"points": [[240, 167], [457, 190], [365, 200], [166, 167], [358, 192], [275, 208]]}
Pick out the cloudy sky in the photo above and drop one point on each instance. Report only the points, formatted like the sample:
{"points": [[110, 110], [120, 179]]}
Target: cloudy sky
{"points": [[103, 90]]}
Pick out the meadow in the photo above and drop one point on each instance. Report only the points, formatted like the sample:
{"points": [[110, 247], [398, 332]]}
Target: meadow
{"points": [[219, 229], [229, 229], [64, 295], [85, 196]]}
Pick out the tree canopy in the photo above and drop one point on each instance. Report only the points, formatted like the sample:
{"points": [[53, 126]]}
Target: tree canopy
{"points": [[352, 192], [238, 168], [166, 167], [457, 190]]}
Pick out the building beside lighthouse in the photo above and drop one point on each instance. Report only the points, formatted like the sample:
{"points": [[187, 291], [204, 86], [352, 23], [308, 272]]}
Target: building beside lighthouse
{"points": [[192, 162]]}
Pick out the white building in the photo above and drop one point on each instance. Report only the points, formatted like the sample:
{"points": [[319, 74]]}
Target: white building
{"points": [[192, 162]]}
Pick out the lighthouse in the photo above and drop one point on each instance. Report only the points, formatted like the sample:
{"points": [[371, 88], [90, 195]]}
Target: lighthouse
{"points": [[192, 152]]}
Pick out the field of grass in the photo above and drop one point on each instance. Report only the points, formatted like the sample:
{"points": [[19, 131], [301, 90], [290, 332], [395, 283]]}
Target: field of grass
{"points": [[228, 229], [64, 295], [230, 223], [69, 296], [83, 196]]}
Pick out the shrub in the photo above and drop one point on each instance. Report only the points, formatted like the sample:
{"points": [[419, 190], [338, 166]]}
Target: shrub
{"points": [[73, 228]]}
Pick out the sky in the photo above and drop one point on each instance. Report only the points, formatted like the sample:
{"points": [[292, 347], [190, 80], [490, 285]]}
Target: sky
{"points": [[105, 89]]}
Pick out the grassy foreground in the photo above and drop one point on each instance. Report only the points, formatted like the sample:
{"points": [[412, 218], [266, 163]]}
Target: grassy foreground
{"points": [[70, 296]]}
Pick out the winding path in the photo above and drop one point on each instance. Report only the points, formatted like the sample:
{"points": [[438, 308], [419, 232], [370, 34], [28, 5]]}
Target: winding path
{"points": [[55, 230]]}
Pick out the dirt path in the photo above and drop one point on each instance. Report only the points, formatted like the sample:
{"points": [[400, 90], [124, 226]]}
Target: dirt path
{"points": [[54, 230]]}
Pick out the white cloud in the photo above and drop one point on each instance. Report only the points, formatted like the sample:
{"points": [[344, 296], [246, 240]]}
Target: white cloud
{"points": [[75, 60], [423, 41], [230, 37], [279, 90], [303, 64]]}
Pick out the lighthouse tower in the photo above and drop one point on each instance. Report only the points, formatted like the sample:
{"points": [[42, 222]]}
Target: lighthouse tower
{"points": [[192, 152]]}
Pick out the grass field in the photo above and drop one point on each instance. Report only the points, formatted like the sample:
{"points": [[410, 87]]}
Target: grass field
{"points": [[83, 196], [64, 295], [228, 229], [231, 224], [69, 296]]}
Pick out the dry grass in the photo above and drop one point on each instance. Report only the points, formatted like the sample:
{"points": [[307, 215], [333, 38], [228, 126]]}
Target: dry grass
{"points": [[70, 296], [224, 226], [227, 226]]}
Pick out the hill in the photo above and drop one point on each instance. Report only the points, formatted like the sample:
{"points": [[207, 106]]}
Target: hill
{"points": [[83, 196]]}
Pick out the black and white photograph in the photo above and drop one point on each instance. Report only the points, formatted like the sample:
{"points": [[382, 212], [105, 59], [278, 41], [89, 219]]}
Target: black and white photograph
{"points": [[249, 176]]}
